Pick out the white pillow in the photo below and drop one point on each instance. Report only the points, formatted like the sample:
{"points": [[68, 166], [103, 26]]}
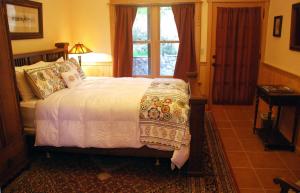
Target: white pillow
{"points": [[78, 67], [71, 78], [61, 59]]}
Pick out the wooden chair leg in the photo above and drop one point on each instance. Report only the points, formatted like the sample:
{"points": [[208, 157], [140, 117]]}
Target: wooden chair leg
{"points": [[286, 185]]}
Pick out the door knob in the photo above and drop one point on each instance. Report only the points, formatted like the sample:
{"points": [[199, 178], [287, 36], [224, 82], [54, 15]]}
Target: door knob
{"points": [[213, 60]]}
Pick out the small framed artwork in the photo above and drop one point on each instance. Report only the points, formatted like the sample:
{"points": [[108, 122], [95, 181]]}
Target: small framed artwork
{"points": [[277, 26], [25, 19]]}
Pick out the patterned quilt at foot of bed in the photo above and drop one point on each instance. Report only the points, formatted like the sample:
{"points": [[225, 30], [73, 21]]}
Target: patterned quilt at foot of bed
{"points": [[164, 114]]}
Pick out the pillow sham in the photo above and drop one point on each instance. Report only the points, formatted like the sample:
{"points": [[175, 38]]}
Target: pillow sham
{"points": [[71, 78], [44, 80], [65, 66], [69, 65], [23, 86]]}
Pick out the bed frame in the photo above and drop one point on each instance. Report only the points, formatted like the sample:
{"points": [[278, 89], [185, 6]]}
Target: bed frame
{"points": [[197, 104]]}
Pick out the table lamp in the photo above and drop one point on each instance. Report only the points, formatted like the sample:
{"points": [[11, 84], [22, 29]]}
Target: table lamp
{"points": [[79, 49]]}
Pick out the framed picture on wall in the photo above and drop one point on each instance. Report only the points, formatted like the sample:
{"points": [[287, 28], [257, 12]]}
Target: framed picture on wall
{"points": [[277, 26], [25, 19], [295, 28]]}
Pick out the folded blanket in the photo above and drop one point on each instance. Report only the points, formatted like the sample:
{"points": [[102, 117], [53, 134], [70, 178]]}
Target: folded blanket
{"points": [[164, 114]]}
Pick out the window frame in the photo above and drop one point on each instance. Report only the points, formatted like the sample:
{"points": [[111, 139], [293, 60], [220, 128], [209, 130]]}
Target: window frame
{"points": [[154, 41]]}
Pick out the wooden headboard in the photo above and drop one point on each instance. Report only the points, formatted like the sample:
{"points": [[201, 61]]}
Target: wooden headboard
{"points": [[29, 58]]}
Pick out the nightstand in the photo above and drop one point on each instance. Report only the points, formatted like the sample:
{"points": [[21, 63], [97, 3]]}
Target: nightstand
{"points": [[271, 136]]}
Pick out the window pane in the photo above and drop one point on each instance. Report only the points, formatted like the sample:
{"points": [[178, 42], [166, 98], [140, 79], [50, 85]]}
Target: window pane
{"points": [[141, 61], [168, 57], [140, 25], [168, 30]]}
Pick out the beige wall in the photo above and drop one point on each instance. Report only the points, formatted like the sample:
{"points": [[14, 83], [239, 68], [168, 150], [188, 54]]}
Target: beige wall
{"points": [[278, 53], [56, 27], [90, 25]]}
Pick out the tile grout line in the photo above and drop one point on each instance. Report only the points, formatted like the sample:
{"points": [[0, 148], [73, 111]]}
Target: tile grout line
{"points": [[248, 159]]}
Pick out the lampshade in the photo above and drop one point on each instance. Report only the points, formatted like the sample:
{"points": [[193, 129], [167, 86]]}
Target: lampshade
{"points": [[79, 49]]}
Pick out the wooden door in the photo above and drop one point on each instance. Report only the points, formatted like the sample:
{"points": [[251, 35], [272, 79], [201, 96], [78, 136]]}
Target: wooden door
{"points": [[12, 144], [244, 95]]}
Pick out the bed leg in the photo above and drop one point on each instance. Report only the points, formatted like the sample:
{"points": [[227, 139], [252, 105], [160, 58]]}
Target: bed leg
{"points": [[48, 155], [157, 162]]}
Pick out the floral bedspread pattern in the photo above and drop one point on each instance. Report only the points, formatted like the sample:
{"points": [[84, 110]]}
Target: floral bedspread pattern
{"points": [[164, 114]]}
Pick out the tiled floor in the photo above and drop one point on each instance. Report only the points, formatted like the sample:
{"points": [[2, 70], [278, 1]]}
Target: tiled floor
{"points": [[253, 168]]}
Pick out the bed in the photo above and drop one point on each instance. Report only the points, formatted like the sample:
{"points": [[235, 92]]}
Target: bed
{"points": [[196, 118]]}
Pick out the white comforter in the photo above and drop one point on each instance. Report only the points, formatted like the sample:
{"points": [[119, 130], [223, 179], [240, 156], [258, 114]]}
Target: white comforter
{"points": [[101, 113]]}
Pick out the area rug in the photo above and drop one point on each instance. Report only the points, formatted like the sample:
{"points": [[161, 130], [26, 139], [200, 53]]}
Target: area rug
{"points": [[75, 173]]}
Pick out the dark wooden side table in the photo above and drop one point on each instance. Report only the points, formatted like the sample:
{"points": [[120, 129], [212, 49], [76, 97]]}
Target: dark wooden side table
{"points": [[271, 136]]}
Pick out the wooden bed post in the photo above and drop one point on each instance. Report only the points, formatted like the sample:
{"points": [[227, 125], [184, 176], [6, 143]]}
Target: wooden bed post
{"points": [[197, 113], [65, 46]]}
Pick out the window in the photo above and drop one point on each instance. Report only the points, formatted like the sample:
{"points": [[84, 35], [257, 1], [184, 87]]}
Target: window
{"points": [[169, 42], [141, 43], [155, 42]]}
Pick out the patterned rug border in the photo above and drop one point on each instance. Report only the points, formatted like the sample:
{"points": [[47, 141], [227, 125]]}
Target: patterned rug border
{"points": [[226, 168]]}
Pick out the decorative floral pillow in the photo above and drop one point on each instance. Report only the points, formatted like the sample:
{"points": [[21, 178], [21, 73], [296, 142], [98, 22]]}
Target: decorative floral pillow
{"points": [[23, 86], [44, 80], [65, 66], [71, 78], [69, 65]]}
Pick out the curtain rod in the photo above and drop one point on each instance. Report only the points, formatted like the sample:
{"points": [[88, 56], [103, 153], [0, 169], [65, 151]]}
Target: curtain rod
{"points": [[154, 4]]}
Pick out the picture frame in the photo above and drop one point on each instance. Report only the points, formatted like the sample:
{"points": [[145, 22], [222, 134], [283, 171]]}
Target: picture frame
{"points": [[277, 26], [295, 28], [25, 19]]}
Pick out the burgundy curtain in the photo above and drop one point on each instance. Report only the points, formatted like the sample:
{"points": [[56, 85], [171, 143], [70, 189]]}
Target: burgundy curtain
{"points": [[186, 58], [123, 45], [237, 55]]}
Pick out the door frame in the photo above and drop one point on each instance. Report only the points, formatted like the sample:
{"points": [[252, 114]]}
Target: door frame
{"points": [[211, 31]]}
